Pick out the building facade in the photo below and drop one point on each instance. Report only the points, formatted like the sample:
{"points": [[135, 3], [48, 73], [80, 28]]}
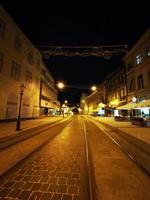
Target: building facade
{"points": [[116, 89], [20, 63], [137, 63], [49, 105], [95, 102], [128, 87]]}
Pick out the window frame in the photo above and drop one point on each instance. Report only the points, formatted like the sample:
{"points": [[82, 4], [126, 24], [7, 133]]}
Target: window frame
{"points": [[28, 80], [2, 29], [140, 82], [16, 71], [18, 44], [1, 61], [138, 59]]}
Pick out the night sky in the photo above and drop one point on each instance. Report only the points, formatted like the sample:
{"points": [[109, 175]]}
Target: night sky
{"points": [[108, 23]]}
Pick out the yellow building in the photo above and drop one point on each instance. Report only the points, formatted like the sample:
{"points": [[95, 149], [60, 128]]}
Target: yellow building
{"points": [[137, 63], [94, 102], [49, 104], [20, 63]]}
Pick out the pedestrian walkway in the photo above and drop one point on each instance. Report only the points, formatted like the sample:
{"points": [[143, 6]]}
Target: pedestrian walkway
{"points": [[9, 128], [142, 133]]}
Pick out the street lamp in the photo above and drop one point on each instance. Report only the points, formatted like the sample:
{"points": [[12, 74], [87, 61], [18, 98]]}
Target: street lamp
{"points": [[22, 87], [60, 85], [63, 109], [66, 101], [93, 88]]}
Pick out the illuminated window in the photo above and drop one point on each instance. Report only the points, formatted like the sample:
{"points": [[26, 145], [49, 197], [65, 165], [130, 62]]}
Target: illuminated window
{"points": [[140, 82], [15, 71], [138, 59], [28, 81], [1, 62], [2, 29], [18, 44]]}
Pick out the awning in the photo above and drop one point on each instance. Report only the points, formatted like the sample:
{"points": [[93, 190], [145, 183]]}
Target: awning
{"points": [[127, 106], [145, 103]]}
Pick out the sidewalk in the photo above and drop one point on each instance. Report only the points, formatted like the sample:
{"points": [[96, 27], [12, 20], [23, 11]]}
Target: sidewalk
{"points": [[142, 133], [9, 128]]}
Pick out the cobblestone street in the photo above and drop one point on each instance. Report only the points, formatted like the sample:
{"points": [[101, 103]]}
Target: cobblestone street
{"points": [[56, 171]]}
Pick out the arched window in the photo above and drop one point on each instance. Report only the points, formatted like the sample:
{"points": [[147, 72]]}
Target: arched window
{"points": [[138, 59], [140, 82], [131, 86]]}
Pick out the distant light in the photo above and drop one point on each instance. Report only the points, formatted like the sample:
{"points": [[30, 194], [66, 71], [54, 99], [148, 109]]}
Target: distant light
{"points": [[60, 85], [93, 88], [66, 101]]}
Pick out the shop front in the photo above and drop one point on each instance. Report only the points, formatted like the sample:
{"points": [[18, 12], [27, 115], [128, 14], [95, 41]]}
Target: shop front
{"points": [[48, 108]]}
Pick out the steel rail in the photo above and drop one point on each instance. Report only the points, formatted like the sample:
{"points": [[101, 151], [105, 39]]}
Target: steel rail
{"points": [[128, 153], [90, 192], [26, 134]]}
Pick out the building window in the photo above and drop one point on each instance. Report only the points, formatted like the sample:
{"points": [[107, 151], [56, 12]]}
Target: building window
{"points": [[18, 44], [122, 92], [1, 61], [28, 81], [2, 29], [16, 71], [140, 82], [148, 52], [131, 86], [37, 82], [38, 64], [30, 57], [129, 65], [149, 77], [138, 59]]}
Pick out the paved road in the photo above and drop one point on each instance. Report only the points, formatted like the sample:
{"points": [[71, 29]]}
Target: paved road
{"points": [[117, 176], [57, 171]]}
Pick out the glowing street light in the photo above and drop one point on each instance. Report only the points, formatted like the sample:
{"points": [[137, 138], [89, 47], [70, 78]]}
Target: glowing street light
{"points": [[63, 109], [60, 85], [93, 88], [66, 101]]}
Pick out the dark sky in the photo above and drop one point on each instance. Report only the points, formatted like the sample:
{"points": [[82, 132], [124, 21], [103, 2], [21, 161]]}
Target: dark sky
{"points": [[110, 22]]}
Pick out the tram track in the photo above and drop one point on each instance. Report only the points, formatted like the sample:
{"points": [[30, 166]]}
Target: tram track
{"points": [[137, 150], [78, 161], [79, 156], [21, 148], [26, 134], [91, 185]]}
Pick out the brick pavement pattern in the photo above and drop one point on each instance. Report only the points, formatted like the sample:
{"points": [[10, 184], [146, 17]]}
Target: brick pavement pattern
{"points": [[55, 172]]}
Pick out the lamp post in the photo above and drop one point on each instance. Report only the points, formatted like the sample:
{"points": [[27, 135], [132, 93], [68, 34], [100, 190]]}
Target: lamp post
{"points": [[63, 110], [20, 104]]}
